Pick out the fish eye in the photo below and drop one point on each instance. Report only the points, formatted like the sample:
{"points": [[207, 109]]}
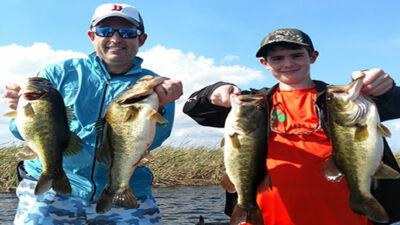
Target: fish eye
{"points": [[260, 107]]}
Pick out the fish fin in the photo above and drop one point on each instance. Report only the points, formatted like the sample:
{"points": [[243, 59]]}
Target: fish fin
{"points": [[132, 113], [227, 184], [145, 159], [361, 133], [105, 201], [12, 114], [61, 184], [235, 140], [74, 146], [69, 110], [125, 198], [28, 110], [330, 171], [99, 126], [44, 184], [103, 153], [384, 130], [386, 172], [368, 207], [252, 216], [154, 115], [265, 184], [26, 154], [222, 143]]}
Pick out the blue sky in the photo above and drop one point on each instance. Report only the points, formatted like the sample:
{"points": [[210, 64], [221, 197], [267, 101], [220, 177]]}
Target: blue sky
{"points": [[200, 42]]}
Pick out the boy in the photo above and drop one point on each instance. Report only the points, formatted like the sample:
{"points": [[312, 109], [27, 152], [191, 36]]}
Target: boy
{"points": [[299, 145]]}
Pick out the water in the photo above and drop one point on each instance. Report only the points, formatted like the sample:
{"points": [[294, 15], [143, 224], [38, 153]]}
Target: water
{"points": [[8, 205], [178, 205]]}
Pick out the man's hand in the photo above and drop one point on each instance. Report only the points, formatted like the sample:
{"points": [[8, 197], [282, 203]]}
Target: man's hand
{"points": [[10, 95], [221, 95], [168, 90], [376, 81]]}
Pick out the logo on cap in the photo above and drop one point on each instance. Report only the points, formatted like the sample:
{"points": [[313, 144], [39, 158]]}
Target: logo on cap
{"points": [[117, 8]]}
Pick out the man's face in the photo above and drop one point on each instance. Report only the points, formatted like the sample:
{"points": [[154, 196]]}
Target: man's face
{"points": [[290, 66], [116, 52]]}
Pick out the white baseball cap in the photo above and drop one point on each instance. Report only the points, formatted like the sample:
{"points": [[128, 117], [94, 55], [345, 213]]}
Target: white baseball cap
{"points": [[125, 11]]}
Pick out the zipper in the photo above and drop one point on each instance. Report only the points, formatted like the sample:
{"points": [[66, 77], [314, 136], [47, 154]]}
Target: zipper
{"points": [[97, 136]]}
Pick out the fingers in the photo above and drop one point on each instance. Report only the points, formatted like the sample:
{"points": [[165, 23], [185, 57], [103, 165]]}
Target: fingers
{"points": [[10, 95], [221, 95], [376, 81], [168, 91]]}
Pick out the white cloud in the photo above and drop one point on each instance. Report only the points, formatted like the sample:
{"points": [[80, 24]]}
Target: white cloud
{"points": [[230, 58], [18, 62]]}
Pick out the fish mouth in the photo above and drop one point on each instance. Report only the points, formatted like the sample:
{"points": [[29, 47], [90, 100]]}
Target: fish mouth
{"points": [[31, 96], [133, 100]]}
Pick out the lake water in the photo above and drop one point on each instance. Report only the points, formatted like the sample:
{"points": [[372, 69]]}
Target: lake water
{"points": [[178, 205]]}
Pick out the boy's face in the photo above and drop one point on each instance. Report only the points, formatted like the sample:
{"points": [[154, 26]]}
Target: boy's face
{"points": [[291, 67]]}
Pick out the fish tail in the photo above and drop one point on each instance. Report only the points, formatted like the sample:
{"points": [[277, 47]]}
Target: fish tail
{"points": [[125, 198], [105, 200], [44, 184], [242, 216], [58, 182], [61, 184], [370, 208]]}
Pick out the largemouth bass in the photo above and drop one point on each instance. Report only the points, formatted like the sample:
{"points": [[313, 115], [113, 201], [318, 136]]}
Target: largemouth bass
{"points": [[357, 140], [41, 119], [245, 154], [130, 123]]}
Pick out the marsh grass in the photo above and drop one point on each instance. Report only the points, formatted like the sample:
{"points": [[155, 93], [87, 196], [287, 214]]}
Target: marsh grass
{"points": [[171, 166], [8, 168], [186, 166]]}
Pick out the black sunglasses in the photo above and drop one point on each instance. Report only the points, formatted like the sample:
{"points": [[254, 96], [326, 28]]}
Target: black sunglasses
{"points": [[125, 33], [272, 117]]}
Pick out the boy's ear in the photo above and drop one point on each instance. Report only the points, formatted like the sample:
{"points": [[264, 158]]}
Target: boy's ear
{"points": [[314, 56], [263, 61]]}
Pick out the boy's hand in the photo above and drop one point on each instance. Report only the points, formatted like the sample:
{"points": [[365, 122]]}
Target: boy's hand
{"points": [[376, 81], [10, 95], [221, 95]]}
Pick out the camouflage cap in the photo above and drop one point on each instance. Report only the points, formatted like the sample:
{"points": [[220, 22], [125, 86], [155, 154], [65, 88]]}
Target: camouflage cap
{"points": [[285, 35]]}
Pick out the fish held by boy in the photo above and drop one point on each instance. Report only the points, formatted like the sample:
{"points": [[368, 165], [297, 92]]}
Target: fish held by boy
{"points": [[129, 129], [245, 153], [43, 122], [357, 140]]}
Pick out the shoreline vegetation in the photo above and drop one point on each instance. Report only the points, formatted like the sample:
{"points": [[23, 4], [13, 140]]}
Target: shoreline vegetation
{"points": [[172, 166]]}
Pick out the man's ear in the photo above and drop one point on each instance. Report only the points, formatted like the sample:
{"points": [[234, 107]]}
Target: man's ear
{"points": [[142, 39], [91, 35]]}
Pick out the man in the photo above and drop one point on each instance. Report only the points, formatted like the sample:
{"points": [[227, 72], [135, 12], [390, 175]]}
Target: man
{"points": [[298, 143], [89, 85]]}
